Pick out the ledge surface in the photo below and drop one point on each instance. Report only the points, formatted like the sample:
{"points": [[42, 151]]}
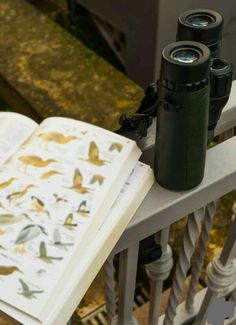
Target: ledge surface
{"points": [[44, 71], [162, 207]]}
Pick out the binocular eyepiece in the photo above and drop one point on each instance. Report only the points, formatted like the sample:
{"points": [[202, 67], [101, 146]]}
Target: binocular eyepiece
{"points": [[194, 86], [201, 25], [185, 66]]}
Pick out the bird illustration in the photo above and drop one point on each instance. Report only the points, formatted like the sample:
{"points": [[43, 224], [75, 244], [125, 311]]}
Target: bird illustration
{"points": [[35, 161], [97, 179], [56, 137], [60, 198], [19, 194], [82, 209], [50, 174], [39, 206], [69, 222], [44, 256], [26, 292], [77, 183], [7, 183], [7, 219], [41, 272], [8, 270], [93, 155], [28, 233], [116, 146], [57, 240]]}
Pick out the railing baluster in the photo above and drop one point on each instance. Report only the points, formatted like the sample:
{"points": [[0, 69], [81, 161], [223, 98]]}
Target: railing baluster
{"points": [[200, 253], [158, 271], [221, 274], [228, 134], [109, 282], [127, 279], [191, 234], [233, 296]]}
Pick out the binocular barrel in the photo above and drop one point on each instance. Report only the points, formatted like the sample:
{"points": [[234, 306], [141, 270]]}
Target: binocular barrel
{"points": [[182, 116], [221, 74], [194, 86], [206, 26]]}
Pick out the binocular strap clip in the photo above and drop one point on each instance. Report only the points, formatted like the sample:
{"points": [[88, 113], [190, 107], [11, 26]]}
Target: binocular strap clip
{"points": [[168, 106]]}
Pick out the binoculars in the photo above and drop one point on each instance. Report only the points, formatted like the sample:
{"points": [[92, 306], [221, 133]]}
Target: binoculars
{"points": [[193, 87]]}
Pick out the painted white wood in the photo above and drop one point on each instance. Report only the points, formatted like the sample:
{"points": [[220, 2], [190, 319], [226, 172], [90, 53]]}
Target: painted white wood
{"points": [[109, 288], [161, 207], [190, 236], [200, 253], [158, 271], [128, 260], [228, 116], [183, 317], [221, 275]]}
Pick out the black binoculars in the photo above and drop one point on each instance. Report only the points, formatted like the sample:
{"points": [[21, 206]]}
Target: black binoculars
{"points": [[193, 88], [188, 99]]}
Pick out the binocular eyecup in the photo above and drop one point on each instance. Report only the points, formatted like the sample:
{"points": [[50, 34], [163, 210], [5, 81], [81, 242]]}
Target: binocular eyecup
{"points": [[185, 66], [201, 25]]}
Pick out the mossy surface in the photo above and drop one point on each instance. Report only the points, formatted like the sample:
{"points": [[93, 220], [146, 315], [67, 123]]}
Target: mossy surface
{"points": [[54, 74]]}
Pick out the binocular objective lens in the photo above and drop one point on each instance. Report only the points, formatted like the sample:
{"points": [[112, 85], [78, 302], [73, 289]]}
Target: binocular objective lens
{"points": [[200, 20], [185, 55]]}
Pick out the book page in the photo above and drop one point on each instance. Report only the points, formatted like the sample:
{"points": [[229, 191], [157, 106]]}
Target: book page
{"points": [[14, 130], [135, 188], [55, 193]]}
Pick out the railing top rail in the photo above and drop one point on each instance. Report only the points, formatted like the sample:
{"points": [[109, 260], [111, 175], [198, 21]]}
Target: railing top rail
{"points": [[162, 207], [228, 116]]}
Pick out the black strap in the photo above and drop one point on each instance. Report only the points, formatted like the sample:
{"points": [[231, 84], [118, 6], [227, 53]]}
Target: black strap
{"points": [[142, 119]]}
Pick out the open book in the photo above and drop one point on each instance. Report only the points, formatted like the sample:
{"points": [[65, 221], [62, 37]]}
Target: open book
{"points": [[67, 191]]}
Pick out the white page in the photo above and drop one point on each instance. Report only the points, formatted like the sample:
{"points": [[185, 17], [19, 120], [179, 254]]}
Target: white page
{"points": [[14, 131]]}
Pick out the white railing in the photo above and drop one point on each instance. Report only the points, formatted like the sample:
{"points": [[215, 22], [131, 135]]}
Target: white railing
{"points": [[159, 210]]}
